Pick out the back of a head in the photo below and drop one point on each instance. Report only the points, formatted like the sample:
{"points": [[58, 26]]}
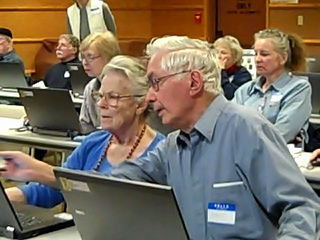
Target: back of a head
{"points": [[286, 43], [233, 44], [185, 53], [105, 43]]}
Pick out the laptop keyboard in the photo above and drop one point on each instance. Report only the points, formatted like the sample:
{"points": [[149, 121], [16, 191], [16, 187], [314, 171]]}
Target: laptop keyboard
{"points": [[28, 220]]}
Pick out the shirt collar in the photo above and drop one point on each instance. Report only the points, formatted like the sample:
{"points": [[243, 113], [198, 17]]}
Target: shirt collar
{"points": [[207, 122], [277, 85]]}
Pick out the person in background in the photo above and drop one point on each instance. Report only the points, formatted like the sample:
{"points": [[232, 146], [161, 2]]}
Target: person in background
{"points": [[230, 169], [233, 75], [67, 52], [284, 99], [95, 52], [125, 135], [7, 52], [89, 16]]}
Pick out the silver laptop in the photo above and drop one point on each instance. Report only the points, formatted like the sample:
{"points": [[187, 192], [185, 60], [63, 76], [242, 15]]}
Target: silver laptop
{"points": [[110, 208], [11, 76], [22, 221], [50, 111]]}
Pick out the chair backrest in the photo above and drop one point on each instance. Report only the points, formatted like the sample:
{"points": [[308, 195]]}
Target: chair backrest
{"points": [[45, 58], [313, 64]]}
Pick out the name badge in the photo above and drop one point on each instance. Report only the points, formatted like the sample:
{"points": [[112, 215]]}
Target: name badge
{"points": [[66, 74], [276, 97], [222, 213], [95, 10]]}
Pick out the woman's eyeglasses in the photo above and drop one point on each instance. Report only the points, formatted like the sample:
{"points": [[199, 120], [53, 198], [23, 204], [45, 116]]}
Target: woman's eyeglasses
{"points": [[88, 58], [111, 98]]}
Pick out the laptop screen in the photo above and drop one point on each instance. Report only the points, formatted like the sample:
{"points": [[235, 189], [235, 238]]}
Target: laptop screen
{"points": [[12, 75], [110, 208], [50, 109], [78, 78]]}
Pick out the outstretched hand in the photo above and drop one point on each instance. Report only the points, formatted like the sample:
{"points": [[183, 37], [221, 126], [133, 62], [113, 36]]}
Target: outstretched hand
{"points": [[19, 166]]}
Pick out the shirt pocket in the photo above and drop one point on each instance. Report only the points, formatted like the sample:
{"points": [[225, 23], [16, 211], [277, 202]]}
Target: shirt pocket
{"points": [[234, 194]]}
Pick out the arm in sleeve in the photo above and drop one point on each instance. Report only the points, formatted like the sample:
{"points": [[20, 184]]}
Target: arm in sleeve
{"points": [[45, 196], [109, 19], [69, 30], [148, 169], [229, 88], [277, 183], [295, 110], [84, 117], [41, 195]]}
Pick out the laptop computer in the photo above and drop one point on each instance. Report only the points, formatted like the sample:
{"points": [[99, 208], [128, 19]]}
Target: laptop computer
{"points": [[50, 111], [110, 208], [78, 78], [22, 221], [11, 76], [314, 80]]}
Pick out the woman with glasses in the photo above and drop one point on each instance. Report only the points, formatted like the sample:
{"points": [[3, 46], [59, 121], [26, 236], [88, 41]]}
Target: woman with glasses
{"points": [[233, 75], [125, 136], [284, 99], [96, 51]]}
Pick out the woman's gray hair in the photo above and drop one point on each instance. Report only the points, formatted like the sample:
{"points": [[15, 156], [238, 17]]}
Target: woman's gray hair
{"points": [[185, 53], [233, 44], [134, 69]]}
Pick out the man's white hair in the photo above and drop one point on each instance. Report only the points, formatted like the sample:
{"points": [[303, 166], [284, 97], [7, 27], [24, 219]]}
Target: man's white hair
{"points": [[185, 53]]}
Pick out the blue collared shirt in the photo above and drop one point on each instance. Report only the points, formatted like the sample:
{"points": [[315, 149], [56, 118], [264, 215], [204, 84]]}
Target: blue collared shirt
{"points": [[286, 104], [232, 144]]}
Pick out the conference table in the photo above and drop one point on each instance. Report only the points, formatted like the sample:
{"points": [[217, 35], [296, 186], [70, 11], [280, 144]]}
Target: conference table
{"points": [[70, 233], [10, 133]]}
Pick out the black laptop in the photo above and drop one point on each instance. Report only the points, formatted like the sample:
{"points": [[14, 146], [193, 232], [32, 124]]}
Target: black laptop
{"points": [[314, 80], [11, 76], [78, 78], [110, 208], [50, 111], [21, 221]]}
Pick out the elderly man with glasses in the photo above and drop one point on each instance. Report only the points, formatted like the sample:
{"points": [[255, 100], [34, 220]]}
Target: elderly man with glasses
{"points": [[7, 52], [230, 169]]}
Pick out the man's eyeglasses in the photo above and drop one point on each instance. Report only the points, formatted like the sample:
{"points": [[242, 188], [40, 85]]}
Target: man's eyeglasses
{"points": [[154, 82], [111, 98], [88, 58]]}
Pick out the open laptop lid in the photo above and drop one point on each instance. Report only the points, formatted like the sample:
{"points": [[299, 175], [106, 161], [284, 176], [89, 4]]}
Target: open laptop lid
{"points": [[50, 109], [109, 208], [11, 227], [78, 78], [314, 80], [12, 76]]}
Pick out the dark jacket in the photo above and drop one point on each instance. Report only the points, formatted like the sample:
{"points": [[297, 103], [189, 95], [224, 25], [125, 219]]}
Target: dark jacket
{"points": [[240, 76]]}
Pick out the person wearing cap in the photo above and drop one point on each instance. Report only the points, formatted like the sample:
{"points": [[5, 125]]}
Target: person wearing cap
{"points": [[67, 51], [7, 52], [89, 16]]}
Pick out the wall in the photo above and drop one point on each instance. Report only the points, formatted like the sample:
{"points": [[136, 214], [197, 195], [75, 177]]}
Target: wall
{"points": [[285, 17], [33, 20]]}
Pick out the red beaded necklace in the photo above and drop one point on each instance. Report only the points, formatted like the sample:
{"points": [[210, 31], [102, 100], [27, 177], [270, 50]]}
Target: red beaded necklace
{"points": [[135, 145]]}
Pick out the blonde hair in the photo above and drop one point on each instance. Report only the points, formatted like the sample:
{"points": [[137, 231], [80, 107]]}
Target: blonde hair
{"points": [[286, 43], [188, 54], [233, 44], [105, 43]]}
